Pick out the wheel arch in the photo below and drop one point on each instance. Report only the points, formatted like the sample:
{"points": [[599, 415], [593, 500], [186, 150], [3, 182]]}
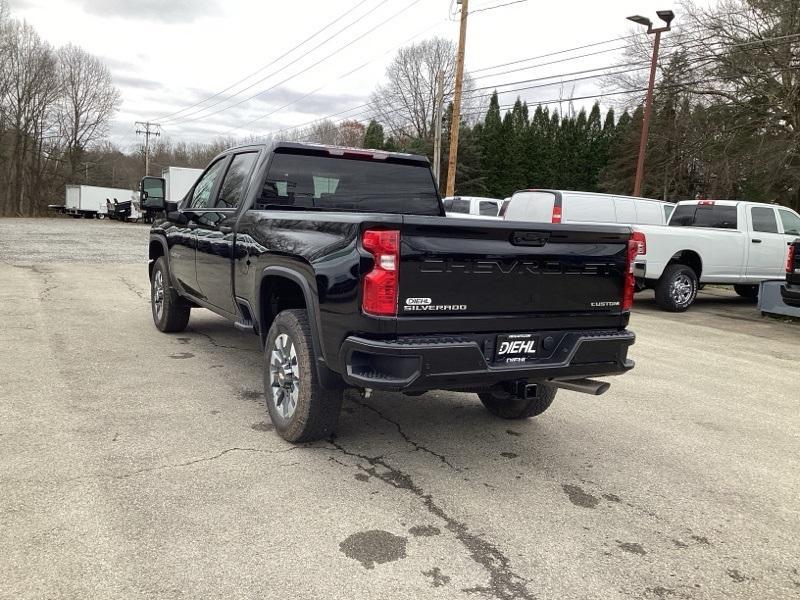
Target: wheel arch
{"points": [[690, 258], [280, 288], [157, 249]]}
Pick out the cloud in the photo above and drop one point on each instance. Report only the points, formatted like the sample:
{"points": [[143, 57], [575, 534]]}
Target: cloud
{"points": [[316, 103], [131, 81], [171, 11]]}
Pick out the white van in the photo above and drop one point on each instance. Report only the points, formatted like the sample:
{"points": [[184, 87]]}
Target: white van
{"points": [[459, 206], [561, 206]]}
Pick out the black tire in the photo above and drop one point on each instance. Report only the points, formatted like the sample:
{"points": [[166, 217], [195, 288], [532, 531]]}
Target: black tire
{"points": [[301, 409], [508, 406], [173, 315], [677, 289], [746, 291]]}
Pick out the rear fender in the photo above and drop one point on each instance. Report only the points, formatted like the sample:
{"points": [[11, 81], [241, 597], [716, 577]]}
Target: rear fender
{"points": [[327, 377]]}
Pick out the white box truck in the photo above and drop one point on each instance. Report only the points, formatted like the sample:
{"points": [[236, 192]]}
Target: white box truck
{"points": [[89, 201], [178, 181]]}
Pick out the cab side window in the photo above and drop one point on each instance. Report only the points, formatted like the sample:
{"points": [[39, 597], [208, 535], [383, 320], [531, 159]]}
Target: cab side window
{"points": [[791, 222], [201, 194], [764, 219], [235, 183], [487, 209]]}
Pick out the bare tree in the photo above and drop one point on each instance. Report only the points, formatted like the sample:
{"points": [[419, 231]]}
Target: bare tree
{"points": [[87, 103], [406, 103], [28, 103]]}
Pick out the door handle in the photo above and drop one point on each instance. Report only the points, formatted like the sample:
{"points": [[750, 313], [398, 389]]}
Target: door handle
{"points": [[756, 241], [225, 229]]}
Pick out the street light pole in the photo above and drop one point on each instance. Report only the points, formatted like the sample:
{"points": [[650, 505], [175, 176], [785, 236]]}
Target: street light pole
{"points": [[667, 16]]}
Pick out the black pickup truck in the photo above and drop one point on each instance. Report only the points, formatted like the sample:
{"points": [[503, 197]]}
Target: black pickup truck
{"points": [[343, 263]]}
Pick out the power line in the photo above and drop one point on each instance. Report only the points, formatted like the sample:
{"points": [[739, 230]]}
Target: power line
{"points": [[331, 55], [186, 118], [500, 91], [337, 79], [269, 64], [472, 12]]}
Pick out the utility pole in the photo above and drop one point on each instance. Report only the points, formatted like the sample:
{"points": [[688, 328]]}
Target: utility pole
{"points": [[147, 129], [456, 120], [437, 138], [667, 16]]}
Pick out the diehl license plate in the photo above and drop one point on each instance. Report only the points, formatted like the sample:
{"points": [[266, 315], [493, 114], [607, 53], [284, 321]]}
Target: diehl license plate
{"points": [[516, 347]]}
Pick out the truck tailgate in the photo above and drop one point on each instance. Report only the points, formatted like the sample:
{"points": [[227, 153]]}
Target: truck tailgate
{"points": [[452, 267]]}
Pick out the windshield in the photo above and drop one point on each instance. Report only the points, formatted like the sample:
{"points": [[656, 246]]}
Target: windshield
{"points": [[352, 184]]}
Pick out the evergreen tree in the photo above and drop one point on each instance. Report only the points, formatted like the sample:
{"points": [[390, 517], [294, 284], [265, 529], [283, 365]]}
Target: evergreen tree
{"points": [[492, 148], [373, 136]]}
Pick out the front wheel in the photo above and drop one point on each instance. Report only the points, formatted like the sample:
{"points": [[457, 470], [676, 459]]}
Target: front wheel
{"points": [[508, 406], [676, 290], [170, 314], [301, 409]]}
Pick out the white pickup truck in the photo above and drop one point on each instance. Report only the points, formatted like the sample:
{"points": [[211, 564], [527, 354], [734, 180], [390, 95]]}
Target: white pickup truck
{"points": [[714, 241]]}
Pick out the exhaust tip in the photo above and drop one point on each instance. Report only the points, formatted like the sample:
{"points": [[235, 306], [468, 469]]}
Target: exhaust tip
{"points": [[584, 386]]}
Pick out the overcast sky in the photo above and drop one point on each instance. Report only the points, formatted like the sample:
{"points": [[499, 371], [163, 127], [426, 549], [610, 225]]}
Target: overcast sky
{"points": [[166, 55]]}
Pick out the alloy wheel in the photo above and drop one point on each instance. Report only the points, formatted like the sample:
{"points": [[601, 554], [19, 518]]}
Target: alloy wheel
{"points": [[284, 375]]}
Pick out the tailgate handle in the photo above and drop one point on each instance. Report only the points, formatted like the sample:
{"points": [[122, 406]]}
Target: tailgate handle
{"points": [[529, 238]]}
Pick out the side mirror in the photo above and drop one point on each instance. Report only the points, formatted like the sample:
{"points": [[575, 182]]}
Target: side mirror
{"points": [[152, 193]]}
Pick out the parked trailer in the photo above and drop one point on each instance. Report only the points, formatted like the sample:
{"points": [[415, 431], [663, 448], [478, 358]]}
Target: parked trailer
{"points": [[89, 201], [178, 181]]}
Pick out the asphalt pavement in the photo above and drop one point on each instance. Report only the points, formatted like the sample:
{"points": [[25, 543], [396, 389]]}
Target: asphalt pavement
{"points": [[135, 464]]}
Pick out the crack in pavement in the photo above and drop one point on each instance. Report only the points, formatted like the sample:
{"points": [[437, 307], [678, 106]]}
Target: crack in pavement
{"points": [[132, 287], [216, 344], [417, 445], [44, 293], [504, 583], [179, 465]]}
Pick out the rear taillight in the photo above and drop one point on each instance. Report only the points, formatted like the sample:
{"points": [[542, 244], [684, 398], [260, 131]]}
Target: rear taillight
{"points": [[380, 284], [790, 258], [635, 244], [556, 214], [641, 242]]}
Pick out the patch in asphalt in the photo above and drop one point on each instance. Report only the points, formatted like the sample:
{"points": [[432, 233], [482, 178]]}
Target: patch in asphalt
{"points": [[184, 340], [579, 497], [250, 395], [374, 546], [737, 576], [612, 497], [361, 477], [424, 530], [509, 455], [438, 579], [700, 539], [512, 432], [262, 426], [180, 355], [660, 591], [632, 547]]}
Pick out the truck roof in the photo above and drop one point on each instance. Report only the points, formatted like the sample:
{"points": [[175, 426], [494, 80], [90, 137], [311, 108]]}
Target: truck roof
{"points": [[334, 150], [724, 202], [582, 193]]}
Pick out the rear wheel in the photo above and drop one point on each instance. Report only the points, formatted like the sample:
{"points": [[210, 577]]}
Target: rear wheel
{"points": [[676, 290], [170, 313], [746, 291], [509, 406], [301, 409]]}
